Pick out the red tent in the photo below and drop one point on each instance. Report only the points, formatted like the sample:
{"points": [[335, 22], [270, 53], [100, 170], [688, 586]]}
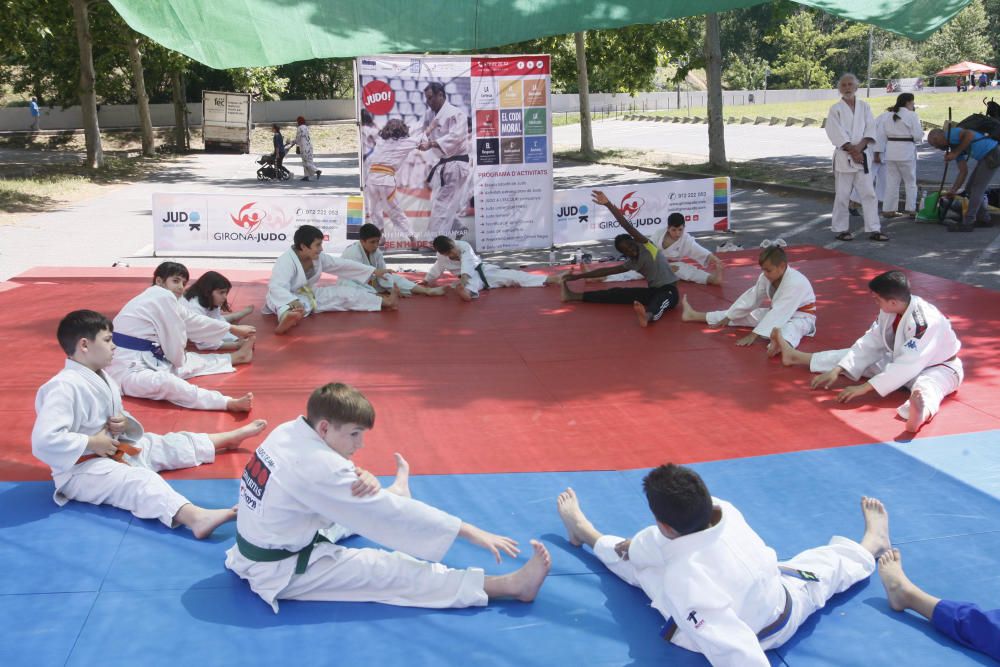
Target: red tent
{"points": [[965, 67]]}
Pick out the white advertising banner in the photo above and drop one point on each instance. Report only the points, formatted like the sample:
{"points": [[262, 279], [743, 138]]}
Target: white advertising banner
{"points": [[221, 224], [457, 145], [704, 203]]}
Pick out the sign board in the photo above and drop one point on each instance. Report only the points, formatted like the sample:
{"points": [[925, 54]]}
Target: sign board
{"points": [[226, 120]]}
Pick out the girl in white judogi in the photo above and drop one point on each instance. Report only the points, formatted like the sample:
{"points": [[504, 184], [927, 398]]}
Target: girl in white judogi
{"points": [[473, 274], [898, 131], [851, 128], [792, 309], [304, 141], [209, 296], [380, 179], [301, 493], [99, 452], [366, 251], [911, 344], [152, 331], [678, 245]]}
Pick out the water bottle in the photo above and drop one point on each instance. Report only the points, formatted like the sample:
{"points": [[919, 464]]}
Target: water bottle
{"points": [[577, 257], [552, 255], [923, 199]]}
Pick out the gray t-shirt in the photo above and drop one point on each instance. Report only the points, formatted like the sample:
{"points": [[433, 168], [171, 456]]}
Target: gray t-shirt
{"points": [[653, 265]]}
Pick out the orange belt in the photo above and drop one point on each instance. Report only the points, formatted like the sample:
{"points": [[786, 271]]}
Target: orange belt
{"points": [[809, 308], [382, 169], [119, 456]]}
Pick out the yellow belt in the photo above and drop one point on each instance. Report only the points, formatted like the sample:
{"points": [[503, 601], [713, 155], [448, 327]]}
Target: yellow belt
{"points": [[307, 292]]}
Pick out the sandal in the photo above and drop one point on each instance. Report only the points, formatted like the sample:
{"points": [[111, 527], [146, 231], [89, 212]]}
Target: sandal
{"points": [[879, 236], [846, 236]]}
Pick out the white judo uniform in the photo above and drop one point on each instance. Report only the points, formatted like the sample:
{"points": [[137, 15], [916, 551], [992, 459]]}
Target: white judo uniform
{"points": [[793, 308], [722, 587], [158, 316], [77, 403], [466, 265], [195, 306], [447, 178], [846, 126], [295, 487], [922, 352], [684, 247], [290, 282], [356, 253], [897, 135], [369, 139], [380, 183], [304, 141]]}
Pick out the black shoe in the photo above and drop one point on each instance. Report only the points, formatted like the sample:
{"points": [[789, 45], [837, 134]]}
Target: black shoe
{"points": [[853, 211], [959, 227], [304, 178], [318, 174]]}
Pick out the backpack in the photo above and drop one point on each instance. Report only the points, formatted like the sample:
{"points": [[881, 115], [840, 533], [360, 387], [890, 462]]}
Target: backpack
{"points": [[983, 124]]}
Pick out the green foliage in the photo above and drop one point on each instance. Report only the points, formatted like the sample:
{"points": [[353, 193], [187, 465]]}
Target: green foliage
{"points": [[324, 79], [965, 37], [746, 74], [811, 49], [899, 59]]}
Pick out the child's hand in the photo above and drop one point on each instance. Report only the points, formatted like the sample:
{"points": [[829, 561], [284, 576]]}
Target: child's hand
{"points": [[116, 425], [102, 444], [598, 197], [826, 379], [492, 543], [747, 340], [367, 484], [243, 330], [382, 272]]}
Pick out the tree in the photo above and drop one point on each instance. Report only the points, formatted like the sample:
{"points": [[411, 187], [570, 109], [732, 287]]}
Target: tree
{"points": [[88, 97], [746, 74], [713, 69], [899, 59], [806, 50], [320, 79], [132, 40], [965, 37], [586, 132]]}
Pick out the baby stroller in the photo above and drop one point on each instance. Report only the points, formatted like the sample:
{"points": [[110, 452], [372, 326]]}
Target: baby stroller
{"points": [[268, 172]]}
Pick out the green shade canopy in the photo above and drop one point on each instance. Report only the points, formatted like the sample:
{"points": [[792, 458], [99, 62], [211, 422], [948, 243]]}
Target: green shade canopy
{"points": [[254, 33]]}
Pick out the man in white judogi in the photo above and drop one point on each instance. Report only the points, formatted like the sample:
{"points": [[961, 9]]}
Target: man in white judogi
{"points": [[301, 493], [911, 344], [446, 129], [100, 454], [720, 589], [851, 128], [792, 309], [898, 131], [458, 258]]}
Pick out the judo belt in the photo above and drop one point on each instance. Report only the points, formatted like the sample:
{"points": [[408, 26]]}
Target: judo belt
{"points": [[119, 456], [137, 344], [310, 296], [262, 555], [382, 169], [670, 629], [809, 308], [864, 161], [910, 139], [482, 275], [444, 160]]}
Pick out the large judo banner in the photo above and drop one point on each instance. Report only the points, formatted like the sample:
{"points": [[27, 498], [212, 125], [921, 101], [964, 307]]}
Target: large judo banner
{"points": [[457, 145], [703, 202], [199, 223]]}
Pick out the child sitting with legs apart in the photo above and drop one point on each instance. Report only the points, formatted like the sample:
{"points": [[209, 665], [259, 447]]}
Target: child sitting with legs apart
{"points": [[151, 333], [678, 245], [301, 493], [366, 251], [100, 454], [209, 296], [721, 590]]}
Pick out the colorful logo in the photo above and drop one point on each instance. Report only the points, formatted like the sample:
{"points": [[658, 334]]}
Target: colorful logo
{"points": [[631, 204], [378, 97], [248, 217]]}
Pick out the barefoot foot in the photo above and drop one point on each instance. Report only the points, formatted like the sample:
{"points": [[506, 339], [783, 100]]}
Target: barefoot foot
{"points": [[201, 521], [688, 314], [898, 587], [244, 353], [579, 529], [233, 439], [876, 538], [291, 317], [401, 485], [918, 411], [391, 300], [789, 355], [241, 404], [463, 293], [641, 315], [525, 583]]}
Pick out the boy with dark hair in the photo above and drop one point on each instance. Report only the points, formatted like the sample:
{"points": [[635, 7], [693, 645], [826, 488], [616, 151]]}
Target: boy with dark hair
{"points": [[721, 589], [100, 454], [911, 344], [366, 251], [677, 245], [473, 274], [644, 257], [301, 493], [792, 309], [294, 292], [152, 331]]}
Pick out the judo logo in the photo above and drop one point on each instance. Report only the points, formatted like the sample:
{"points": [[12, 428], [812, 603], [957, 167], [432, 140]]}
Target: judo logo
{"points": [[920, 321], [693, 618], [911, 344], [581, 212], [378, 97], [248, 217], [630, 205], [180, 218], [254, 480]]}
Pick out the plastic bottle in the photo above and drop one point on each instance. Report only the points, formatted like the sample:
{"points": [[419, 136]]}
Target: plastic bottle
{"points": [[923, 199], [578, 256], [552, 255]]}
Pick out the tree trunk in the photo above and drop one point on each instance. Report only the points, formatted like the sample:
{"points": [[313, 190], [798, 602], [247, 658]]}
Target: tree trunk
{"points": [[180, 113], [88, 97], [713, 70], [583, 83], [145, 122]]}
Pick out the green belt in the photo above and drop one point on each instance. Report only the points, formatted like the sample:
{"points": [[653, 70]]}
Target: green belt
{"points": [[262, 555]]}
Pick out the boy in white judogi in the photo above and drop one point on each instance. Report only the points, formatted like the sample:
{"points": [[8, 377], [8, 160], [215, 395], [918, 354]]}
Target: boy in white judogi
{"points": [[721, 590], [911, 344], [897, 133], [380, 178], [294, 292], [366, 251], [792, 309], [151, 333], [100, 454], [679, 245], [851, 128], [446, 128], [300, 494], [458, 258]]}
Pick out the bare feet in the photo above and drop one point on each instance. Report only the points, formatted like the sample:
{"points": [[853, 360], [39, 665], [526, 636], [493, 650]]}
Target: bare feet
{"points": [[241, 404], [232, 439], [715, 277], [401, 486], [524, 584], [201, 521], [429, 291], [789, 355], [289, 319], [898, 587], [244, 353], [391, 300], [641, 314], [688, 314], [579, 529], [463, 293], [876, 538], [918, 411], [564, 293]]}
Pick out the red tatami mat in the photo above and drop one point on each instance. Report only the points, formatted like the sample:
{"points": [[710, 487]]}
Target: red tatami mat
{"points": [[519, 381]]}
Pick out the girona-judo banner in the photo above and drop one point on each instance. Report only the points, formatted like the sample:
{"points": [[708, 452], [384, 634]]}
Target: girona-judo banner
{"points": [[703, 202], [457, 145], [220, 224]]}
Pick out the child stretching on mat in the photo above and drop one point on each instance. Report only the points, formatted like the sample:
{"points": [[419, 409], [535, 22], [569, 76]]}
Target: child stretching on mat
{"points": [[100, 454], [644, 257], [151, 332], [366, 251], [301, 493], [964, 622], [721, 590], [209, 296], [294, 291], [473, 274], [910, 344], [792, 309]]}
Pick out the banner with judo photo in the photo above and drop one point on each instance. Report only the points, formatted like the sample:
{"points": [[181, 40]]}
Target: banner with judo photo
{"points": [[456, 145], [703, 202], [199, 223]]}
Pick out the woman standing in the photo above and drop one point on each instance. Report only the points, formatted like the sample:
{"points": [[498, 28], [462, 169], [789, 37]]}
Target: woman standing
{"points": [[304, 143], [897, 133]]}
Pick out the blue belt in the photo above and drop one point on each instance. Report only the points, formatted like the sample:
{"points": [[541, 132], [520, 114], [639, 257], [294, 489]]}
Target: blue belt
{"points": [[137, 344]]}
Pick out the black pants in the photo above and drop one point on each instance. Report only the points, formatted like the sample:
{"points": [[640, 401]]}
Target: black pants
{"points": [[657, 300]]}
